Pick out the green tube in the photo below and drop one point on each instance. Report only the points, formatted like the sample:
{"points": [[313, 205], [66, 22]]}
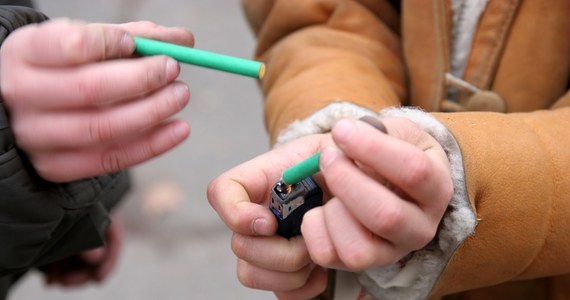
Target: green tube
{"points": [[302, 170], [147, 47]]}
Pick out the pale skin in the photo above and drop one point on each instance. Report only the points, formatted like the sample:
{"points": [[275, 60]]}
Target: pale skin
{"points": [[81, 104], [385, 196]]}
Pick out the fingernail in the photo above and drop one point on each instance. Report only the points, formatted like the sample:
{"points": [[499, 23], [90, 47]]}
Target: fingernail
{"points": [[171, 68], [343, 130], [181, 89], [374, 122], [261, 227], [328, 156], [181, 92], [180, 130]]}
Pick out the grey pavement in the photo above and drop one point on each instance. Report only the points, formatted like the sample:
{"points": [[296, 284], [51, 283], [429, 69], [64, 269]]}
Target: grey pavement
{"points": [[175, 245]]}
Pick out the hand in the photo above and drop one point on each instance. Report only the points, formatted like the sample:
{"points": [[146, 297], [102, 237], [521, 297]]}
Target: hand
{"points": [[81, 104], [390, 193], [93, 265], [241, 196], [365, 224]]}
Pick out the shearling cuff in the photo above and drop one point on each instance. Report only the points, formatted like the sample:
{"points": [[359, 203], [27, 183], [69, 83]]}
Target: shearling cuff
{"points": [[414, 276], [322, 121]]}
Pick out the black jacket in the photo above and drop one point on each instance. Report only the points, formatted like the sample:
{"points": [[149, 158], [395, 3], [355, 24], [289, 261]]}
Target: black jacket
{"points": [[40, 221]]}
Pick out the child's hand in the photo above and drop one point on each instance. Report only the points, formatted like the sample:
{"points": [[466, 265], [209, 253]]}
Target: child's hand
{"points": [[389, 193], [81, 104], [241, 197]]}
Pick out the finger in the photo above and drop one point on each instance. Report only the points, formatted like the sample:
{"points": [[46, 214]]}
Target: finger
{"points": [[64, 42], [273, 253], [377, 208], [93, 257], [241, 195], [317, 239], [74, 278], [400, 162], [176, 35], [236, 198], [71, 165], [263, 279], [114, 238], [357, 247], [98, 126], [97, 84], [315, 285], [71, 271]]}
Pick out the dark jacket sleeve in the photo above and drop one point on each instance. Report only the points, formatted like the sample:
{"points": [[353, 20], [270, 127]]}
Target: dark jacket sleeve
{"points": [[41, 221], [28, 3]]}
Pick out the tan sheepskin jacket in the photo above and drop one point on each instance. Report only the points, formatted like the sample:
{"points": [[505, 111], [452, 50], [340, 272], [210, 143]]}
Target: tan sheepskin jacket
{"points": [[491, 77]]}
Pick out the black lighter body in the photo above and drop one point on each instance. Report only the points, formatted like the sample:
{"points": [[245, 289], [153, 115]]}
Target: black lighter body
{"points": [[289, 203]]}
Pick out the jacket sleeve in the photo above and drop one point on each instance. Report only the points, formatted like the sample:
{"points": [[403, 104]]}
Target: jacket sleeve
{"points": [[513, 167], [40, 221], [313, 49], [516, 170]]}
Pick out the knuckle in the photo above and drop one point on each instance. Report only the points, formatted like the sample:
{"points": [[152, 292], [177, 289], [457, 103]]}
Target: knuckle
{"points": [[111, 161], [335, 178], [145, 151], [160, 110], [423, 237], [324, 256], [240, 246], [148, 25], [235, 222], [155, 73], [296, 260], [418, 171], [89, 89], [389, 220], [109, 41], [99, 129], [75, 46], [358, 257]]}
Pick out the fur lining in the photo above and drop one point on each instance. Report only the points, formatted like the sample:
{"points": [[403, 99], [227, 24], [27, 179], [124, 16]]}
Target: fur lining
{"points": [[414, 276], [466, 16], [322, 120]]}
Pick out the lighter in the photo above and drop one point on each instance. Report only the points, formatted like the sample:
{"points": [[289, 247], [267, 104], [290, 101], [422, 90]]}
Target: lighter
{"points": [[290, 202]]}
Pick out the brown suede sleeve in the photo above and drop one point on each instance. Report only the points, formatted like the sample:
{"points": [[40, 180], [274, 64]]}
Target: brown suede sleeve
{"points": [[317, 52], [516, 168]]}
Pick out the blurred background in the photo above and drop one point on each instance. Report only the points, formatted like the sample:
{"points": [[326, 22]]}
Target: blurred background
{"points": [[175, 246]]}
